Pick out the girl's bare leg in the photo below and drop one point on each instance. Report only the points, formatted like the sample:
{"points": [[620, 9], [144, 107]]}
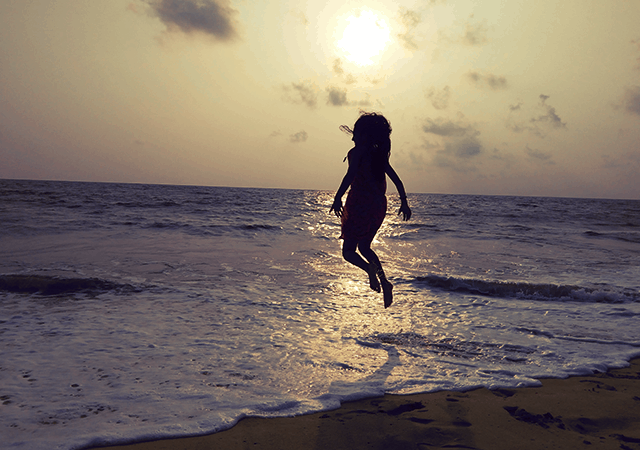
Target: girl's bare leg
{"points": [[371, 267], [387, 287]]}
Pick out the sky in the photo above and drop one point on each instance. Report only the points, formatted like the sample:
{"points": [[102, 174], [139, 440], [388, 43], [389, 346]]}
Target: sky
{"points": [[494, 97]]}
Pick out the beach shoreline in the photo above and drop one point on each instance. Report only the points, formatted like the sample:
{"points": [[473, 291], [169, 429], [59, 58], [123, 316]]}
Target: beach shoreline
{"points": [[599, 411]]}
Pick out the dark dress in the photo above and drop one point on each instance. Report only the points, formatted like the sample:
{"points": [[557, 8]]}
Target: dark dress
{"points": [[366, 203]]}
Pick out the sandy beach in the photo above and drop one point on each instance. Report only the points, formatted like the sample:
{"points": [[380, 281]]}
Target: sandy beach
{"points": [[600, 411]]}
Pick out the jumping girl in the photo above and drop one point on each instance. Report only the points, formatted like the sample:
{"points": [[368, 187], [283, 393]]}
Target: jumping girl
{"points": [[366, 203]]}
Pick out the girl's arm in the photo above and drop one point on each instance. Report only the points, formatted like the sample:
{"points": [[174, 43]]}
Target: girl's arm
{"points": [[354, 162], [404, 206]]}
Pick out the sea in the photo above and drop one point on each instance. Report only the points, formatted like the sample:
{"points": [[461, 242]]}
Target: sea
{"points": [[131, 312]]}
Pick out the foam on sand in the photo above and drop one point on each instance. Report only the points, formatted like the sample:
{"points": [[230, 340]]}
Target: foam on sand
{"points": [[596, 411]]}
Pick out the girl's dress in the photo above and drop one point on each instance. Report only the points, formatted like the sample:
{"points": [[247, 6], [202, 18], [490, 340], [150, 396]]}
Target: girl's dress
{"points": [[366, 203]]}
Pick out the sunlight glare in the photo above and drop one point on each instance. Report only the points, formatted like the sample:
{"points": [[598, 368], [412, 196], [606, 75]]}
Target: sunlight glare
{"points": [[365, 36]]}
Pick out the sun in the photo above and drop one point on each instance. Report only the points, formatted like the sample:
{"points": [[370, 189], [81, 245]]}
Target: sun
{"points": [[365, 37]]}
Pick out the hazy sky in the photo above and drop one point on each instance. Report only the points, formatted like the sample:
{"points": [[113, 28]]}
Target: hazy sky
{"points": [[485, 97]]}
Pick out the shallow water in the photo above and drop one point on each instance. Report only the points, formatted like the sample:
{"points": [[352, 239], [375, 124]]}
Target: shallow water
{"points": [[140, 311]]}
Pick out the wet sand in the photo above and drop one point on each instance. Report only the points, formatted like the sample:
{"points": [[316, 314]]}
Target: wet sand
{"points": [[600, 411]]}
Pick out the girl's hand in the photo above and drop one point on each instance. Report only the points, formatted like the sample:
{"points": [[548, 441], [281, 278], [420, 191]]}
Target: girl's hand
{"points": [[337, 207], [405, 210]]}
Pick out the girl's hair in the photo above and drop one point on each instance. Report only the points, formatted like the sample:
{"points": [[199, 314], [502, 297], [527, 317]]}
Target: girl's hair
{"points": [[376, 131]]}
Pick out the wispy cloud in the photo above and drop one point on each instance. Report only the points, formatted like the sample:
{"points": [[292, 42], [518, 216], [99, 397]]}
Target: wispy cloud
{"points": [[474, 34], [636, 42], [439, 98], [550, 115], [631, 100], [410, 20], [470, 33], [459, 143], [214, 18], [538, 155], [300, 136], [544, 117], [307, 93], [490, 80], [629, 160], [468, 147], [448, 128], [338, 97], [304, 92], [338, 69]]}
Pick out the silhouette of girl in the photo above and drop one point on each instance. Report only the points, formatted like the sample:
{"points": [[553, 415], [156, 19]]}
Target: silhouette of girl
{"points": [[366, 203]]}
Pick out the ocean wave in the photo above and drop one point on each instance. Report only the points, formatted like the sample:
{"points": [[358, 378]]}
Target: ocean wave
{"points": [[52, 285], [528, 291], [258, 227], [419, 225], [207, 229], [167, 224], [620, 236], [150, 204]]}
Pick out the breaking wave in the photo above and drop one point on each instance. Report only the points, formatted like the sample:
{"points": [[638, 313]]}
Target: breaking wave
{"points": [[51, 285], [530, 291]]}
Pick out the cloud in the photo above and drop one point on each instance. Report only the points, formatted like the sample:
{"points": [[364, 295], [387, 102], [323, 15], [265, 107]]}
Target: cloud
{"points": [[550, 115], [339, 70], [447, 128], [636, 42], [307, 93], [338, 97], [507, 159], [628, 160], [610, 163], [474, 34], [300, 136], [520, 127], [410, 19], [337, 67], [471, 34], [459, 155], [492, 81], [464, 148], [539, 155], [631, 100], [439, 99], [304, 92], [214, 18], [460, 143], [544, 116]]}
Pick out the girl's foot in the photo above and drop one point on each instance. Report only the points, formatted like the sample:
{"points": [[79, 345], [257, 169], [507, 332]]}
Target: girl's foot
{"points": [[387, 290], [374, 284]]}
